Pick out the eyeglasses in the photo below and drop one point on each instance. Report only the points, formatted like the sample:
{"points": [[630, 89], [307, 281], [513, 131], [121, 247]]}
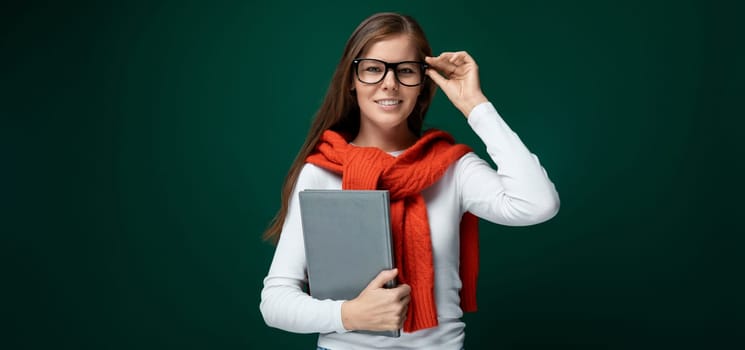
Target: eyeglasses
{"points": [[372, 71]]}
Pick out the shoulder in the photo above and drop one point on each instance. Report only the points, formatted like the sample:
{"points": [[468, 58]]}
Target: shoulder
{"points": [[467, 161], [312, 170]]}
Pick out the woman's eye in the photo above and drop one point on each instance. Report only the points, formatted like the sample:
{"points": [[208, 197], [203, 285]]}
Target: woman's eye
{"points": [[405, 71], [373, 69]]}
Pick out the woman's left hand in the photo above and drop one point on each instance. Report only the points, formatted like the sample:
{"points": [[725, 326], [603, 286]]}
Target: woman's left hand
{"points": [[461, 81]]}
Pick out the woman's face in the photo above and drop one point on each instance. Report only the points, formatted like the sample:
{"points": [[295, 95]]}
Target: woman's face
{"points": [[387, 104]]}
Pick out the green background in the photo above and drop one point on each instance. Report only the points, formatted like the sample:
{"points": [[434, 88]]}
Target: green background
{"points": [[144, 145]]}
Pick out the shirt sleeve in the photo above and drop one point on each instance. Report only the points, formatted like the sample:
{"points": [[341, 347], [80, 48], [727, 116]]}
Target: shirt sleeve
{"points": [[284, 303], [519, 192]]}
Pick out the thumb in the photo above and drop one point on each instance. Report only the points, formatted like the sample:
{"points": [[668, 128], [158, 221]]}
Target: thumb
{"points": [[434, 75], [382, 278]]}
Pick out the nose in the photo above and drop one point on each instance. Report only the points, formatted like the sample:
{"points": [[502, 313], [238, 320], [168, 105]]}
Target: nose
{"points": [[389, 80]]}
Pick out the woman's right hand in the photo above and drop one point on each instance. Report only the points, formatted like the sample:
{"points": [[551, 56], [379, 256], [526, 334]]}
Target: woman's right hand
{"points": [[377, 308]]}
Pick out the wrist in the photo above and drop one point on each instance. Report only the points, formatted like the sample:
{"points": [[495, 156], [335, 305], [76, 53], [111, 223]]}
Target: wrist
{"points": [[471, 103], [347, 315]]}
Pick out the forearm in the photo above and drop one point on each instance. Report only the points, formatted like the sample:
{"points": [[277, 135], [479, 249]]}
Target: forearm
{"points": [[285, 306]]}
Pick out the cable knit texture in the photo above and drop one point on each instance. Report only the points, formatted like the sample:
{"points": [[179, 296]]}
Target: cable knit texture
{"points": [[405, 176]]}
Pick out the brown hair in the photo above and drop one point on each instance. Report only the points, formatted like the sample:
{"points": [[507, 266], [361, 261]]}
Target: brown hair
{"points": [[339, 110]]}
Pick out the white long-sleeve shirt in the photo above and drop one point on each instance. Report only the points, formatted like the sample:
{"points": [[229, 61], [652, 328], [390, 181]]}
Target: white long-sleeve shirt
{"points": [[519, 193]]}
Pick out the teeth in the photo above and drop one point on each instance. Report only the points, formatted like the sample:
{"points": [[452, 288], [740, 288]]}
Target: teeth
{"points": [[388, 102]]}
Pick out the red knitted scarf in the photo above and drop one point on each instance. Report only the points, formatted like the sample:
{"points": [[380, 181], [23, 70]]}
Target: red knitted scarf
{"points": [[405, 176]]}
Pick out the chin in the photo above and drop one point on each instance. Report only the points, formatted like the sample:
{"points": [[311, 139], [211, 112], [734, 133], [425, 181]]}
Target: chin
{"points": [[388, 122]]}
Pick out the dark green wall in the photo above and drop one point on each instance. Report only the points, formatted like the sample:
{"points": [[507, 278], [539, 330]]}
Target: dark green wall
{"points": [[144, 145]]}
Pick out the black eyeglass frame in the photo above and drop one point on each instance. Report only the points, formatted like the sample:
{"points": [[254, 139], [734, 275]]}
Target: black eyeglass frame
{"points": [[394, 65]]}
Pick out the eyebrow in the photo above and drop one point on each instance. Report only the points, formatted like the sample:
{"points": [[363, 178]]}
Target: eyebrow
{"points": [[389, 61]]}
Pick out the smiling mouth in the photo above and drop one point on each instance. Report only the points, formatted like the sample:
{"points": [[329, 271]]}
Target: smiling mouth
{"points": [[388, 102]]}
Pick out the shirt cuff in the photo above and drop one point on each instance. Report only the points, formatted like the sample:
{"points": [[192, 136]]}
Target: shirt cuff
{"points": [[339, 323], [481, 109]]}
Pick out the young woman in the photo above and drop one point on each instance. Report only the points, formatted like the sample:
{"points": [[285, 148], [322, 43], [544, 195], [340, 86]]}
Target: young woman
{"points": [[367, 134]]}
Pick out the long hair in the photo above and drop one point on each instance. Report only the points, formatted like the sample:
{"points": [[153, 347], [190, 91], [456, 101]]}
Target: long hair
{"points": [[339, 110]]}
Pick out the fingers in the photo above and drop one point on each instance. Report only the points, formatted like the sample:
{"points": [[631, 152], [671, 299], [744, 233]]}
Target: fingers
{"points": [[382, 278], [442, 63], [450, 65], [401, 319], [402, 291], [447, 62], [458, 58], [402, 305], [378, 308], [404, 309], [436, 77], [405, 302]]}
